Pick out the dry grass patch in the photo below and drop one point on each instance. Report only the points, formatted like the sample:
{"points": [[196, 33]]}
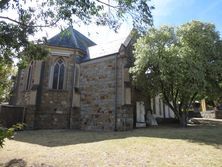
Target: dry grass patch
{"points": [[198, 146]]}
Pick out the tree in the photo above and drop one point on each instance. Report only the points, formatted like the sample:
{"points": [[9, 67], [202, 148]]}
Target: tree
{"points": [[6, 71], [181, 64], [34, 16]]}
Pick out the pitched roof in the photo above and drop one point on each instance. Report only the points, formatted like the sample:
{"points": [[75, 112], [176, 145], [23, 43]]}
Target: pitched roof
{"points": [[71, 38], [105, 49]]}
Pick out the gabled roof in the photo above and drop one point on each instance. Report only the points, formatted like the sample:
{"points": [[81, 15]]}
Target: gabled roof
{"points": [[71, 38], [105, 49]]}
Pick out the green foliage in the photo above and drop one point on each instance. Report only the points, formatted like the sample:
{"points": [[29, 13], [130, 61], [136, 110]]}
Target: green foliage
{"points": [[8, 133], [32, 52], [19, 126], [182, 64], [6, 72]]}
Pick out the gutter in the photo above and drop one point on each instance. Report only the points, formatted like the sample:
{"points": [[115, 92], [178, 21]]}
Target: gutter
{"points": [[72, 95], [38, 95]]}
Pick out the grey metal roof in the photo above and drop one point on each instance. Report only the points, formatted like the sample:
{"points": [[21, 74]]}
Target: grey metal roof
{"points": [[105, 49], [71, 38], [109, 48]]}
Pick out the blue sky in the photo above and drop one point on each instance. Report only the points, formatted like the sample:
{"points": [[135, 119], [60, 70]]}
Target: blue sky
{"points": [[177, 12]]}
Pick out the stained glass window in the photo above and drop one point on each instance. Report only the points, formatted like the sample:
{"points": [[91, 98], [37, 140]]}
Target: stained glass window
{"points": [[61, 76]]}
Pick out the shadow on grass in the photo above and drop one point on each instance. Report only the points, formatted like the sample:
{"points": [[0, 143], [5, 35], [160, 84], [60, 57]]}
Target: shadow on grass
{"points": [[210, 135], [22, 163], [16, 163]]}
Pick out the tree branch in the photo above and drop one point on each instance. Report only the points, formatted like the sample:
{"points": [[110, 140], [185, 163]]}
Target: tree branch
{"points": [[191, 100], [7, 18], [181, 104], [104, 3], [172, 107], [20, 23]]}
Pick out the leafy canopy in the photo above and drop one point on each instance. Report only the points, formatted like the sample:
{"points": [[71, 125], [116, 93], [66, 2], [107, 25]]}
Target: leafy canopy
{"points": [[6, 70], [182, 64]]}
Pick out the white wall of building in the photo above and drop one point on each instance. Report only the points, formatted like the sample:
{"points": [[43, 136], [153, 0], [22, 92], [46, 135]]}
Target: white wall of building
{"points": [[160, 109]]}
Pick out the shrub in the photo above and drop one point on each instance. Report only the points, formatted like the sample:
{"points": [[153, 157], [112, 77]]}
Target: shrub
{"points": [[8, 133]]}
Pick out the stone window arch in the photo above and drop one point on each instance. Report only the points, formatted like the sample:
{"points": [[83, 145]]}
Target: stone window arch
{"points": [[58, 74], [29, 77]]}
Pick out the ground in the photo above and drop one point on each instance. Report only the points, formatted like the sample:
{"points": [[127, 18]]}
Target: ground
{"points": [[161, 146]]}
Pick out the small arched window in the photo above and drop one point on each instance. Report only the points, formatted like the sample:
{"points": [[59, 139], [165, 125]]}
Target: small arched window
{"points": [[58, 74], [29, 78]]}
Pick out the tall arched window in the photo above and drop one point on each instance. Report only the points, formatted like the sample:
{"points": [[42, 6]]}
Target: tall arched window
{"points": [[58, 74], [29, 78]]}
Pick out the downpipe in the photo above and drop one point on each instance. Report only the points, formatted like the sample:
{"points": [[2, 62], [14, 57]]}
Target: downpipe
{"points": [[115, 101]]}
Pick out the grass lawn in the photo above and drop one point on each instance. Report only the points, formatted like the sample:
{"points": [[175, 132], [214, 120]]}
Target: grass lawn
{"points": [[161, 146]]}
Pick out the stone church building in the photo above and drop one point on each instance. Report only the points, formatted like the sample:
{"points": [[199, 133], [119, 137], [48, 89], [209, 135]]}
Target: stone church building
{"points": [[80, 85]]}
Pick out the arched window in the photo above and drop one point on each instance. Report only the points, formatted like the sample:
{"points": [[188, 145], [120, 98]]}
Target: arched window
{"points": [[29, 78], [58, 74]]}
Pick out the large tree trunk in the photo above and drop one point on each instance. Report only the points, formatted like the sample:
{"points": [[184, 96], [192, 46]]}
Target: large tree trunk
{"points": [[183, 119], [180, 115]]}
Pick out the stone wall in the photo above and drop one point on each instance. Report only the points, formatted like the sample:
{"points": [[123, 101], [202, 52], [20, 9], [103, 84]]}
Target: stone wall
{"points": [[97, 85], [98, 93], [10, 115], [28, 96], [125, 120], [30, 116], [218, 114], [208, 114], [55, 110], [75, 118], [47, 108]]}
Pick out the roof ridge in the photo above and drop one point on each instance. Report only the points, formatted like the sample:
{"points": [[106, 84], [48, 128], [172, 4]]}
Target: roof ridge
{"points": [[75, 40]]}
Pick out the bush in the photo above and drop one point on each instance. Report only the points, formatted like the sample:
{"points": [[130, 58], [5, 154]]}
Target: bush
{"points": [[8, 133]]}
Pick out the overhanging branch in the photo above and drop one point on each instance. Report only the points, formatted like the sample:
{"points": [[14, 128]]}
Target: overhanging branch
{"points": [[7, 18], [25, 25], [107, 4]]}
